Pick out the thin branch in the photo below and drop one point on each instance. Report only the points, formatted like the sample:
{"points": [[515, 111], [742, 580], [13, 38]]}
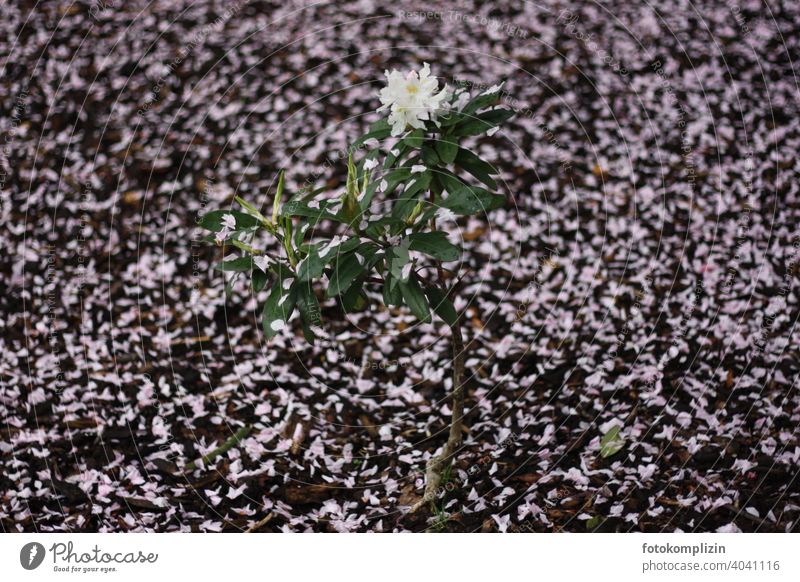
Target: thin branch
{"points": [[221, 450], [437, 465], [260, 524]]}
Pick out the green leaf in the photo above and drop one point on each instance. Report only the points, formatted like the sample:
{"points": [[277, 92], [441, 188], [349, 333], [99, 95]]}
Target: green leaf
{"points": [[593, 522], [447, 148], [611, 443], [441, 305], [393, 179], [277, 308], [408, 199], [398, 258], [276, 204], [378, 130], [392, 296], [429, 157], [213, 220], [477, 167], [300, 233], [449, 181], [310, 267], [282, 270], [483, 122], [434, 244], [402, 148], [369, 251], [239, 265], [310, 313], [451, 118], [354, 298], [469, 200], [479, 102], [415, 139], [259, 280], [345, 247], [299, 208], [415, 299], [344, 272], [250, 209]]}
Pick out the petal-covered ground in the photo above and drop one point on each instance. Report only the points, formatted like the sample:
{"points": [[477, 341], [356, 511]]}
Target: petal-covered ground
{"points": [[644, 274]]}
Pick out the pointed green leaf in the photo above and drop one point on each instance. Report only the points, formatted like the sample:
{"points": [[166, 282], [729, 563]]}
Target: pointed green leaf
{"points": [[434, 244], [344, 272], [378, 130], [238, 265], [477, 167], [470, 200], [611, 443], [441, 305], [415, 139], [213, 220], [483, 122], [415, 299], [278, 307], [447, 148], [392, 296]]}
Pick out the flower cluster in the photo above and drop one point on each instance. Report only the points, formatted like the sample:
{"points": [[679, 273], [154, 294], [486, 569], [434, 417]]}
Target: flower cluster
{"points": [[412, 99]]}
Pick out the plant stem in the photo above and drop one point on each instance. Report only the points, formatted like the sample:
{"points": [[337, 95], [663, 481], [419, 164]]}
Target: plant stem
{"points": [[437, 465]]}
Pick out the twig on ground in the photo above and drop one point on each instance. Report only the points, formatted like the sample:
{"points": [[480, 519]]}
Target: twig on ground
{"points": [[260, 524], [221, 450]]}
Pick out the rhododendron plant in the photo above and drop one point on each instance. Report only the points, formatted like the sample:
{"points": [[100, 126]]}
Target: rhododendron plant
{"points": [[385, 225]]}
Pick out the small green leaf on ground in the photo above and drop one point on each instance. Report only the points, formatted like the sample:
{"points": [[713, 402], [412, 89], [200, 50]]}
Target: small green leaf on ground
{"points": [[611, 443]]}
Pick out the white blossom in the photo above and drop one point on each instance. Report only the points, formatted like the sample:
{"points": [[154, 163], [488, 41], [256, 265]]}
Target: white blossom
{"points": [[412, 98]]}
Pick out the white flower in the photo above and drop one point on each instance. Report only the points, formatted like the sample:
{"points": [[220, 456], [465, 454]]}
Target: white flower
{"points": [[370, 164], [412, 99]]}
